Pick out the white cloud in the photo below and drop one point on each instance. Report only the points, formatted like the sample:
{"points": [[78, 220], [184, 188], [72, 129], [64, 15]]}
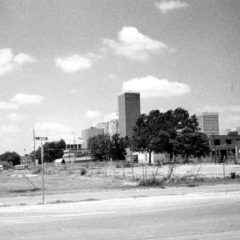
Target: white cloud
{"points": [[51, 126], [9, 129], [8, 106], [134, 45], [219, 108], [229, 117], [167, 6], [22, 58], [9, 62], [93, 114], [52, 130], [235, 108], [228, 121], [15, 117], [74, 63], [211, 108], [74, 91], [111, 116], [151, 86], [26, 99], [112, 76], [20, 99]]}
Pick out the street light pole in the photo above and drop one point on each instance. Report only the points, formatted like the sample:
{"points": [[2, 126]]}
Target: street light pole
{"points": [[74, 145], [42, 157], [42, 162]]}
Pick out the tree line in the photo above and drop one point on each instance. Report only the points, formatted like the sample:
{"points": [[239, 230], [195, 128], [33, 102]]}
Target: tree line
{"points": [[174, 132], [52, 150]]}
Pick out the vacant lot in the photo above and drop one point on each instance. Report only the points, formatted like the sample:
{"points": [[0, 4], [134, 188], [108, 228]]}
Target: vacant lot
{"points": [[72, 178]]}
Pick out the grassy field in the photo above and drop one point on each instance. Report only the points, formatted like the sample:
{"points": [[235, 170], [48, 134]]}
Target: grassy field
{"points": [[72, 178]]}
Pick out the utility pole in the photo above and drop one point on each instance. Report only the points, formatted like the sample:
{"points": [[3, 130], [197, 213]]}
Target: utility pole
{"points": [[74, 145], [42, 162], [34, 146]]}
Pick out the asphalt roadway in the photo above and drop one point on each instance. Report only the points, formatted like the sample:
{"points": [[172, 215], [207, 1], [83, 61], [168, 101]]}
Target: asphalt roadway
{"points": [[192, 216]]}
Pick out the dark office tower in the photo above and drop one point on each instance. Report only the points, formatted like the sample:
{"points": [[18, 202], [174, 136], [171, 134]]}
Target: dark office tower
{"points": [[129, 112]]}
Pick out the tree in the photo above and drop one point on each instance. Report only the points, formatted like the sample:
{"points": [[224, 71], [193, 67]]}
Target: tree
{"points": [[151, 133], [11, 157], [117, 147], [193, 144], [179, 124], [174, 132], [52, 150], [99, 147]]}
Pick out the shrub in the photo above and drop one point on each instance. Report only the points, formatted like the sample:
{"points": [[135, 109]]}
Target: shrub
{"points": [[83, 171], [151, 182], [124, 164], [36, 170]]}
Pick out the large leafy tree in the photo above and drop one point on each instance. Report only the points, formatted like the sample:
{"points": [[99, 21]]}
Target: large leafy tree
{"points": [[117, 148], [52, 150], [151, 133], [12, 158], [193, 144], [179, 123], [99, 147], [174, 132], [104, 147]]}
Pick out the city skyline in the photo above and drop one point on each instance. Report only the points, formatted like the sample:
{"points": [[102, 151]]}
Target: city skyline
{"points": [[63, 63]]}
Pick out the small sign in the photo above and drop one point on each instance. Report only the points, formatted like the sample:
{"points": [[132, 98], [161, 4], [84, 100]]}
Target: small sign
{"points": [[41, 138]]}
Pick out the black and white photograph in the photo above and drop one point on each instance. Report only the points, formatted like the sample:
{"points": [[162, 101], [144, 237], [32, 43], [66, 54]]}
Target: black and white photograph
{"points": [[120, 119]]}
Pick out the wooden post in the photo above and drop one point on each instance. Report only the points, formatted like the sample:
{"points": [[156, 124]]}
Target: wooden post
{"points": [[123, 170], [132, 172], [146, 171], [143, 171]]}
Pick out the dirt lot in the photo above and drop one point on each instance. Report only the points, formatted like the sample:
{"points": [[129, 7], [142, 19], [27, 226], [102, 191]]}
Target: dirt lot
{"points": [[73, 178]]}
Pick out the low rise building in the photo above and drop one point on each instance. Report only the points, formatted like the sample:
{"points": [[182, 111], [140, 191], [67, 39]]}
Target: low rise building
{"points": [[225, 147], [113, 127], [88, 133]]}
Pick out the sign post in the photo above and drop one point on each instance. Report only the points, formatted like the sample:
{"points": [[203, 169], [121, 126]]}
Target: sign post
{"points": [[42, 163]]}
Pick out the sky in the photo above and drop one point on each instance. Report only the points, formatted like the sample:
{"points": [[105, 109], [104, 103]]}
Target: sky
{"points": [[64, 62]]}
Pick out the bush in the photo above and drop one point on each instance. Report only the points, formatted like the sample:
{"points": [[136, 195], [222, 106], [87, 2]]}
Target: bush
{"points": [[124, 164], [151, 182], [83, 171], [6, 165]]}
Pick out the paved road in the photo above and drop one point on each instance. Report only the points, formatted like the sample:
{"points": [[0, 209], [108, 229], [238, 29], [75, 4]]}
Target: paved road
{"points": [[191, 216]]}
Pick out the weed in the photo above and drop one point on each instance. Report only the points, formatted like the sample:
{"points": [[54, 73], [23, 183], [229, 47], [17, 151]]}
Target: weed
{"points": [[83, 171], [151, 182]]}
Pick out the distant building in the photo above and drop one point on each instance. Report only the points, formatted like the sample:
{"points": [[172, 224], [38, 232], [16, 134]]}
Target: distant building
{"points": [[209, 123], [224, 147], [26, 159], [232, 131], [238, 130], [90, 132], [129, 112], [113, 127], [74, 146], [104, 126], [110, 127]]}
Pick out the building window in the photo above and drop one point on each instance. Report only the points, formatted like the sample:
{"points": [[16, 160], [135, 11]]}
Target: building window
{"points": [[228, 141], [216, 141]]}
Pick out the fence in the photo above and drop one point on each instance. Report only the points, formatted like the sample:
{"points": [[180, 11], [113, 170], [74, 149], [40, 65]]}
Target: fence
{"points": [[123, 170]]}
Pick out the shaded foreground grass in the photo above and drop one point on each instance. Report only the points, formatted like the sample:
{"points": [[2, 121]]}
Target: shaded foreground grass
{"points": [[11, 186]]}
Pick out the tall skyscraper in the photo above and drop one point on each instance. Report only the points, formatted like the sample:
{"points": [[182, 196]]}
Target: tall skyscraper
{"points": [[209, 123], [129, 111]]}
